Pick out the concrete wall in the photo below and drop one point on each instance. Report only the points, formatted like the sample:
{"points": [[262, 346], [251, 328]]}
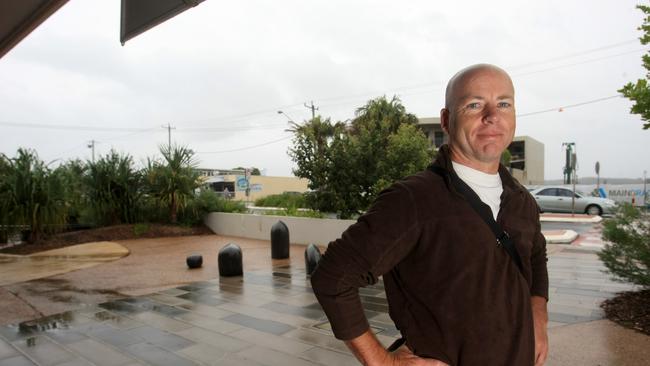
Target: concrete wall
{"points": [[302, 230]]}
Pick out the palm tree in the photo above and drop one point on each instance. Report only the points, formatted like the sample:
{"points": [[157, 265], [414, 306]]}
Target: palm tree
{"points": [[174, 179]]}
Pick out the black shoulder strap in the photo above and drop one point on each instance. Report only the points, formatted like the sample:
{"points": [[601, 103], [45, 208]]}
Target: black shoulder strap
{"points": [[484, 211]]}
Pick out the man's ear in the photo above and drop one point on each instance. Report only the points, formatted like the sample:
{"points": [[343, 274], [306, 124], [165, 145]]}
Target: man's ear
{"points": [[444, 120]]}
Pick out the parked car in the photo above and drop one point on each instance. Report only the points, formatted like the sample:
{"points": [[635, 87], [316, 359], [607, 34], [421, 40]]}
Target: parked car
{"points": [[559, 199]]}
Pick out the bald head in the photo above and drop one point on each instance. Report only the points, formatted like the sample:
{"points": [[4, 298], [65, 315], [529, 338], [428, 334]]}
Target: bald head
{"points": [[458, 81]]}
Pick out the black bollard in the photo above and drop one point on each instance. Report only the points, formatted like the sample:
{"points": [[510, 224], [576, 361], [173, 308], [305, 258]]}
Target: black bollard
{"points": [[194, 261], [230, 261], [279, 240], [312, 257]]}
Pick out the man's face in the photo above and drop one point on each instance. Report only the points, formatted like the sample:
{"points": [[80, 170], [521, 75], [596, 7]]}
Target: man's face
{"points": [[481, 119]]}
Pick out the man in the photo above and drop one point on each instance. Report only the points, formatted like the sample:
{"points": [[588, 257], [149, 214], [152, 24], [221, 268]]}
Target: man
{"points": [[456, 296]]}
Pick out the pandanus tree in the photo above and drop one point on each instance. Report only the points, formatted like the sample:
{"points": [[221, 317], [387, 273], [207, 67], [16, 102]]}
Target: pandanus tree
{"points": [[31, 195], [114, 188], [172, 180]]}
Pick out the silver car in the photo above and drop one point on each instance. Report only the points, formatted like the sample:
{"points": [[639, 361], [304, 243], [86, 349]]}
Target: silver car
{"points": [[559, 199]]}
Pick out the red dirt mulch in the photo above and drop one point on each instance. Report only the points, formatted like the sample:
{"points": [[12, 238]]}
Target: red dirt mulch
{"points": [[630, 309], [109, 233]]}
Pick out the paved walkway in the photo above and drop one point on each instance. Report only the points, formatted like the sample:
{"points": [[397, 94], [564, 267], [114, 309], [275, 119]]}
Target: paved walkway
{"points": [[271, 317]]}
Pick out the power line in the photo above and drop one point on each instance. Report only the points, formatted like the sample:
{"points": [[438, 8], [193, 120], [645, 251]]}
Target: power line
{"points": [[580, 63], [67, 127], [560, 109], [572, 55], [245, 148]]}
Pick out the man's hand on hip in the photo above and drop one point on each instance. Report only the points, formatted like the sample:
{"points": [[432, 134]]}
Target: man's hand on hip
{"points": [[370, 352], [404, 357]]}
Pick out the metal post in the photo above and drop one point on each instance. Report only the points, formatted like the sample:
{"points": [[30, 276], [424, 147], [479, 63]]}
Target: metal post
{"points": [[645, 191]]}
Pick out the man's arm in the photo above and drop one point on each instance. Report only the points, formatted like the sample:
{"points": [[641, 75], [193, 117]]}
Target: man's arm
{"points": [[540, 320], [539, 291], [375, 244]]}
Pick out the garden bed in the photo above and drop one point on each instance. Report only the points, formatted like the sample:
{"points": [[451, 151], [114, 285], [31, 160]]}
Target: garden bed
{"points": [[630, 309], [109, 233]]}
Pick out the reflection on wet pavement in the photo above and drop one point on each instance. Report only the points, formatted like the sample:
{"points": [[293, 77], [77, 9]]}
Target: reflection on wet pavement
{"points": [[264, 318]]}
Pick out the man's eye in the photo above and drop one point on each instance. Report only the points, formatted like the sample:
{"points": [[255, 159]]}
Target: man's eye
{"points": [[474, 105], [504, 105]]}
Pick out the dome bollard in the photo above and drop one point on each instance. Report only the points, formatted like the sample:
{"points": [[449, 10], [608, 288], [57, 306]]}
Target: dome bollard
{"points": [[230, 261], [194, 261], [279, 241], [312, 257]]}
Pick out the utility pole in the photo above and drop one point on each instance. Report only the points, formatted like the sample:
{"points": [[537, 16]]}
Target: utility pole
{"points": [[169, 134], [91, 145], [569, 158], [313, 109]]}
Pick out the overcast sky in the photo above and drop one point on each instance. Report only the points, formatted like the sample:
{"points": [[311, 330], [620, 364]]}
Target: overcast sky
{"points": [[219, 72]]}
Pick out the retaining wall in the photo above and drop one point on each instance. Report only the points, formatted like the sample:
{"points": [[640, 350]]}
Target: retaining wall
{"points": [[302, 230]]}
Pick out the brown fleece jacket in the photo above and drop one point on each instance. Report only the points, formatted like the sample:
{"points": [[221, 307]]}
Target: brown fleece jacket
{"points": [[454, 294]]}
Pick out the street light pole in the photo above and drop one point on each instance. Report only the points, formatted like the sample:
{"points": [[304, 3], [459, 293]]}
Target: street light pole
{"points": [[645, 191]]}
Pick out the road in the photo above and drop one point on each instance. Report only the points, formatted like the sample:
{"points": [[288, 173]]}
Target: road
{"points": [[579, 228]]}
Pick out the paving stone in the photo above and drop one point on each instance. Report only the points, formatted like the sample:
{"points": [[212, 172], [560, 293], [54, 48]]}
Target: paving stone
{"points": [[206, 310], [258, 312], [575, 291], [121, 307], [225, 343], [167, 299], [44, 351], [100, 354], [157, 356], [201, 298], [161, 321], [76, 362], [203, 353], [569, 319], [569, 310], [237, 360], [271, 341], [116, 337], [16, 361], [172, 292], [66, 336], [12, 333], [294, 310], [116, 320], [264, 325], [317, 338], [161, 338], [206, 322], [327, 357], [270, 357], [7, 350]]}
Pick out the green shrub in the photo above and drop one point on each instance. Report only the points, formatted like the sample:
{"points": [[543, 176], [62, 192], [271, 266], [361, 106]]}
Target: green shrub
{"points": [[286, 200], [205, 202], [292, 211], [140, 229], [627, 256]]}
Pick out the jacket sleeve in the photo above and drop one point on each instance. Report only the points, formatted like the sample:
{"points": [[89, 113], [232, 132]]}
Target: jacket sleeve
{"points": [[539, 260], [379, 240]]}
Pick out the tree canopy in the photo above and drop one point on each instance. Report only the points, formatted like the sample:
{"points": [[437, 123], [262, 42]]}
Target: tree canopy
{"points": [[639, 92], [348, 165]]}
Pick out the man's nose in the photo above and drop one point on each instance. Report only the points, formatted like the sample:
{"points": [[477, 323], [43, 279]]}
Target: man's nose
{"points": [[490, 114]]}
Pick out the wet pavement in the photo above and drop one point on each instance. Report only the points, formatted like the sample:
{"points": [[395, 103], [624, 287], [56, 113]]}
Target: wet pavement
{"points": [[22, 268], [271, 317]]}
